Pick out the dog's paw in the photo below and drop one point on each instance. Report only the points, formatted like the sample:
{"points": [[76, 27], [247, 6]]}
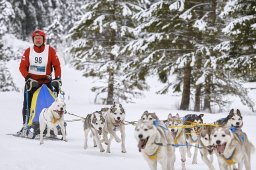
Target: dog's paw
{"points": [[41, 143], [118, 140], [94, 146], [108, 151], [102, 150], [194, 162], [123, 151]]}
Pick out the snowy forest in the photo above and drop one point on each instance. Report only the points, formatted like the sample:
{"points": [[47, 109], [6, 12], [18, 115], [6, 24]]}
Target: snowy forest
{"points": [[202, 49]]}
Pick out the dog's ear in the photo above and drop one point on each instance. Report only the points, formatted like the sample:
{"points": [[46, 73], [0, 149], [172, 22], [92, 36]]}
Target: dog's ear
{"points": [[201, 115], [231, 112], [238, 112], [177, 115], [169, 116], [145, 112]]}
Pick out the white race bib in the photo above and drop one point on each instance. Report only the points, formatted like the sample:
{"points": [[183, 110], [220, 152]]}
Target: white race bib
{"points": [[38, 61]]}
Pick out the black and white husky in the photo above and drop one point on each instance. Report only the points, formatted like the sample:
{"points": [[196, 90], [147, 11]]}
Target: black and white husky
{"points": [[52, 117], [192, 134], [95, 123], [115, 117], [234, 119], [177, 132], [154, 146], [230, 149]]}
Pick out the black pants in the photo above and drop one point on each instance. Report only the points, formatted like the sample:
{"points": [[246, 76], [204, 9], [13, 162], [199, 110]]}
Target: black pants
{"points": [[30, 95]]}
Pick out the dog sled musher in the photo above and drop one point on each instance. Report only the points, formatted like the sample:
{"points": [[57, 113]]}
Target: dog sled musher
{"points": [[42, 98]]}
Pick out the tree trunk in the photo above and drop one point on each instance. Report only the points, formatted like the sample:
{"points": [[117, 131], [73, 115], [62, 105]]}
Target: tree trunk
{"points": [[198, 98], [207, 96], [110, 97], [186, 88]]}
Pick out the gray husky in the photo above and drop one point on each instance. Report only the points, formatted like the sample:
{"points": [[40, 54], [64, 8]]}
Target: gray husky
{"points": [[153, 144], [193, 133], [95, 123], [207, 147], [178, 134], [114, 117], [230, 149]]}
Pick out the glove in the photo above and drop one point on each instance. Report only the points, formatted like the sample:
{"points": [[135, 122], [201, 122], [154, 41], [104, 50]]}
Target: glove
{"points": [[31, 83], [56, 82]]}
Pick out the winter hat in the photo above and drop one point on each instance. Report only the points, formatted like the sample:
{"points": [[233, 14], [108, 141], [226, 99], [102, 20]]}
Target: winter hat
{"points": [[38, 32]]}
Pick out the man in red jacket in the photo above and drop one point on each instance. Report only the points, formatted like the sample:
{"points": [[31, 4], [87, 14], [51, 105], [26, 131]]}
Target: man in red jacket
{"points": [[36, 67]]}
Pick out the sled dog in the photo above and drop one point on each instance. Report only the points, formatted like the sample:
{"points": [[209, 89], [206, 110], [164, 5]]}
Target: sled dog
{"points": [[149, 117], [230, 150], [174, 124], [192, 134], [206, 145], [234, 119], [95, 123], [114, 118], [52, 117], [154, 146]]}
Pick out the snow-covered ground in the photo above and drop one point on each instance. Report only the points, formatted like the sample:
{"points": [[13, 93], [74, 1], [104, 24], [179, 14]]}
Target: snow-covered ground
{"points": [[25, 154]]}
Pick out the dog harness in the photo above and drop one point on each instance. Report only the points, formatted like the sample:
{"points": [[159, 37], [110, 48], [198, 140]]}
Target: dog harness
{"points": [[154, 155], [238, 134], [229, 160], [176, 138], [54, 120]]}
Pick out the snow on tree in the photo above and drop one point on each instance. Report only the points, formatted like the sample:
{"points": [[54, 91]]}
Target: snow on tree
{"points": [[6, 82], [98, 38], [241, 18]]}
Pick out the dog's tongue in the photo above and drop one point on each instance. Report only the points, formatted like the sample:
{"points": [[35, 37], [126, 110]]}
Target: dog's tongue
{"points": [[220, 148], [141, 144]]}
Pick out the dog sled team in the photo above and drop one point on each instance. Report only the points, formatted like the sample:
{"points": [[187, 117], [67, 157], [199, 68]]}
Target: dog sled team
{"points": [[224, 139], [158, 139], [43, 112]]}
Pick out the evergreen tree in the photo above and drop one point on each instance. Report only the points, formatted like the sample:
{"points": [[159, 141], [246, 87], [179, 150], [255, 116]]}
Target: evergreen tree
{"points": [[98, 39], [6, 82], [241, 27]]}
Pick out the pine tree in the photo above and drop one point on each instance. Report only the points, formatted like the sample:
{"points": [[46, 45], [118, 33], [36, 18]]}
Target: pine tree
{"points": [[98, 39], [6, 82], [241, 27]]}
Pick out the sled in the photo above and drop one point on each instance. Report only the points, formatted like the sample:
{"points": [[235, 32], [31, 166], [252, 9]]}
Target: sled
{"points": [[42, 98]]}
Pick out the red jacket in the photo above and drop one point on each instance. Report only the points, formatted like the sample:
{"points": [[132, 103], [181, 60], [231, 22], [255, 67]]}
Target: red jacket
{"points": [[53, 61]]}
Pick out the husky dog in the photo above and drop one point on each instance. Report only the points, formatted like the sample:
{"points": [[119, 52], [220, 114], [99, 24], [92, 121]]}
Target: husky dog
{"points": [[207, 146], [154, 146], [230, 150], [149, 117], [178, 134], [95, 123], [114, 117], [192, 134], [234, 119], [52, 117]]}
